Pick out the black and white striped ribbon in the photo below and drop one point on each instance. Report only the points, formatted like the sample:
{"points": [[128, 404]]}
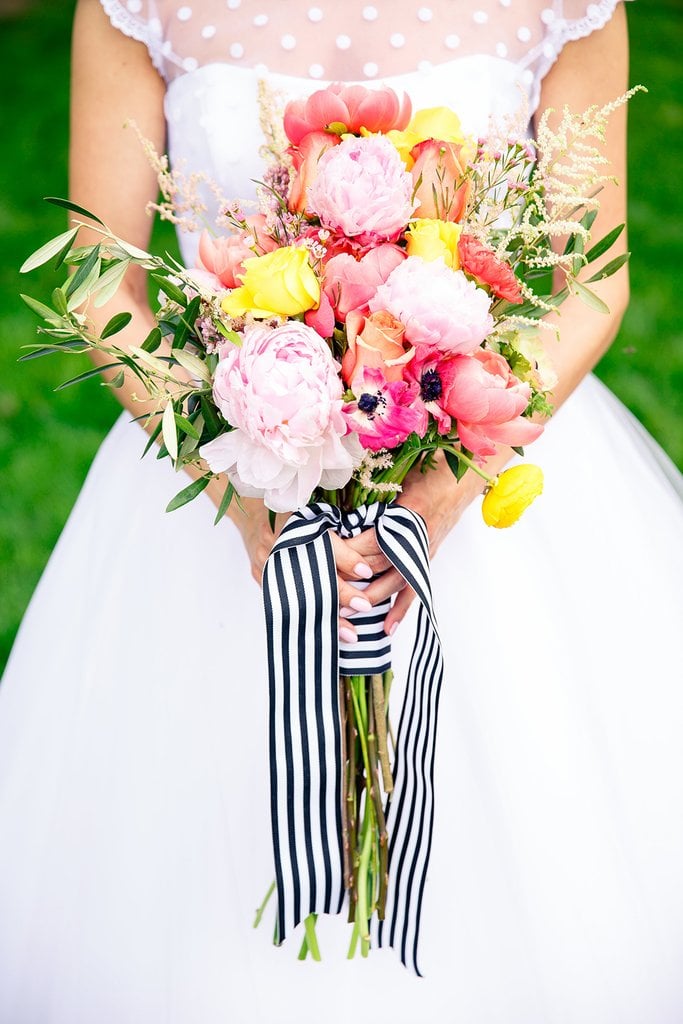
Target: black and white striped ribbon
{"points": [[305, 661]]}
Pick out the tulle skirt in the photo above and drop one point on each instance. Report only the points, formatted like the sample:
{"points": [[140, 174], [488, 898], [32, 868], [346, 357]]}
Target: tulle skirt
{"points": [[134, 810]]}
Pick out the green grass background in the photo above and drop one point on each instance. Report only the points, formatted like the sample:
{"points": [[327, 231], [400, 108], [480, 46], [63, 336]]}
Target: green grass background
{"points": [[48, 440]]}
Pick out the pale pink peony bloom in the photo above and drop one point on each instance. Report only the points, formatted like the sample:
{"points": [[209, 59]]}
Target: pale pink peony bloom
{"points": [[487, 400], [224, 256], [350, 283], [384, 414], [281, 392], [362, 190], [439, 306], [349, 108]]}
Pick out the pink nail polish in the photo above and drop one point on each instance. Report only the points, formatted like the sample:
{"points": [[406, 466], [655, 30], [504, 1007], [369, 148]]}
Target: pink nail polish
{"points": [[347, 635], [345, 613], [363, 570], [359, 604], [393, 629]]}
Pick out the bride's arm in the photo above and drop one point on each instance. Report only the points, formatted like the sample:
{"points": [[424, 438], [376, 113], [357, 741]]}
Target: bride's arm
{"points": [[590, 71], [114, 81]]}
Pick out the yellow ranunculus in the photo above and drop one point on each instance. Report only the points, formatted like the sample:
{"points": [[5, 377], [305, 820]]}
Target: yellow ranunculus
{"points": [[510, 494], [440, 123], [281, 282], [433, 240]]}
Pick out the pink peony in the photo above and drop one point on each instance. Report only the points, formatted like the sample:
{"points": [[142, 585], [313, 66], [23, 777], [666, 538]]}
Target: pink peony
{"points": [[350, 283], [384, 414], [281, 392], [362, 190], [349, 108], [224, 256], [487, 400], [438, 306]]}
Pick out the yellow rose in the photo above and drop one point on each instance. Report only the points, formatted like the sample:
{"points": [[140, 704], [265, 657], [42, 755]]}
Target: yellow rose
{"points": [[280, 282], [510, 494], [432, 123], [433, 240]]}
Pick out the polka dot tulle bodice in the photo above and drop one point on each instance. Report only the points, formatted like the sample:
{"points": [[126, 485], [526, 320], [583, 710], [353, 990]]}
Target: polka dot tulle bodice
{"points": [[353, 40]]}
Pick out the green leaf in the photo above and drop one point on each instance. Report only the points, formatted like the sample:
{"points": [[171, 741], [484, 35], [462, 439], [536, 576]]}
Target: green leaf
{"points": [[152, 438], [610, 268], [589, 297], [40, 308], [170, 289], [195, 366], [518, 449], [213, 423], [68, 205], [225, 503], [185, 426], [85, 375], [109, 282], [272, 519], [604, 244], [83, 273], [117, 381], [152, 341], [49, 250], [153, 362], [168, 429], [188, 493], [588, 219], [59, 301], [116, 324], [186, 323], [70, 345]]}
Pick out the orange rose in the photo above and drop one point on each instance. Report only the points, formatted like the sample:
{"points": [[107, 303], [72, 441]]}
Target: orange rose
{"points": [[437, 169], [375, 341], [305, 159]]}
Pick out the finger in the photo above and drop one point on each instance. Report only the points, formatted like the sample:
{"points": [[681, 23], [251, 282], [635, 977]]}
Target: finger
{"points": [[391, 582], [350, 563], [366, 547], [398, 611]]}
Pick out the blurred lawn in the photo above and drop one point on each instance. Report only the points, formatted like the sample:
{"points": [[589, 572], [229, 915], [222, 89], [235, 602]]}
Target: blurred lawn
{"points": [[47, 441]]}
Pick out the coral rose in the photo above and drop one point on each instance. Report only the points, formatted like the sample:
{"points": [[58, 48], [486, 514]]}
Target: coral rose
{"points": [[438, 306], [481, 262], [375, 341], [350, 283], [362, 190], [281, 392], [487, 400], [342, 109], [437, 172]]}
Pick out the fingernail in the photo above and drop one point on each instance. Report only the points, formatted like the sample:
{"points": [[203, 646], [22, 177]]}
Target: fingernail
{"points": [[359, 604], [363, 570], [347, 635], [344, 613], [394, 627]]}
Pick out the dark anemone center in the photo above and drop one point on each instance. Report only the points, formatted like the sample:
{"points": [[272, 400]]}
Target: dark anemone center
{"points": [[368, 403], [431, 387]]}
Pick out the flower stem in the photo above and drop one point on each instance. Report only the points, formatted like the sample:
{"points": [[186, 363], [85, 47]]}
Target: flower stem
{"points": [[259, 912]]}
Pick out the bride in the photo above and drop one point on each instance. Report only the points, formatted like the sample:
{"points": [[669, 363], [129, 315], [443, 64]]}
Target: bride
{"points": [[134, 828]]}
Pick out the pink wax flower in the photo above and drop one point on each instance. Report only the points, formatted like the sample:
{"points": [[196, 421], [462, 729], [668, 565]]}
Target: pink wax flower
{"points": [[347, 108], [363, 190], [350, 283], [438, 306], [487, 400], [384, 414], [224, 256], [281, 392]]}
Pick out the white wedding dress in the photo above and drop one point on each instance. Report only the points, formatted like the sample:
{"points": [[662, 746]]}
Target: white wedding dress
{"points": [[134, 809]]}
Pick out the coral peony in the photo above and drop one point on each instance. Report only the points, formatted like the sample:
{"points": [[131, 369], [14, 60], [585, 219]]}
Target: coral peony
{"points": [[481, 262], [305, 160], [384, 414], [438, 306], [487, 400], [224, 256], [362, 190], [281, 392], [346, 109], [350, 283]]}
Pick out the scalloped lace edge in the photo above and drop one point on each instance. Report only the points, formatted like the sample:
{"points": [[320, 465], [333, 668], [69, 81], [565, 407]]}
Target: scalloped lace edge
{"points": [[131, 26], [579, 28]]}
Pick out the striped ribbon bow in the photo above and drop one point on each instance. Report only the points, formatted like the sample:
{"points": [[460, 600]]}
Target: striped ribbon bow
{"points": [[306, 771]]}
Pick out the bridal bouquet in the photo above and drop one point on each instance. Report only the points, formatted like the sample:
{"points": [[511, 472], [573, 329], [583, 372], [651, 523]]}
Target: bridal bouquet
{"points": [[379, 311]]}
